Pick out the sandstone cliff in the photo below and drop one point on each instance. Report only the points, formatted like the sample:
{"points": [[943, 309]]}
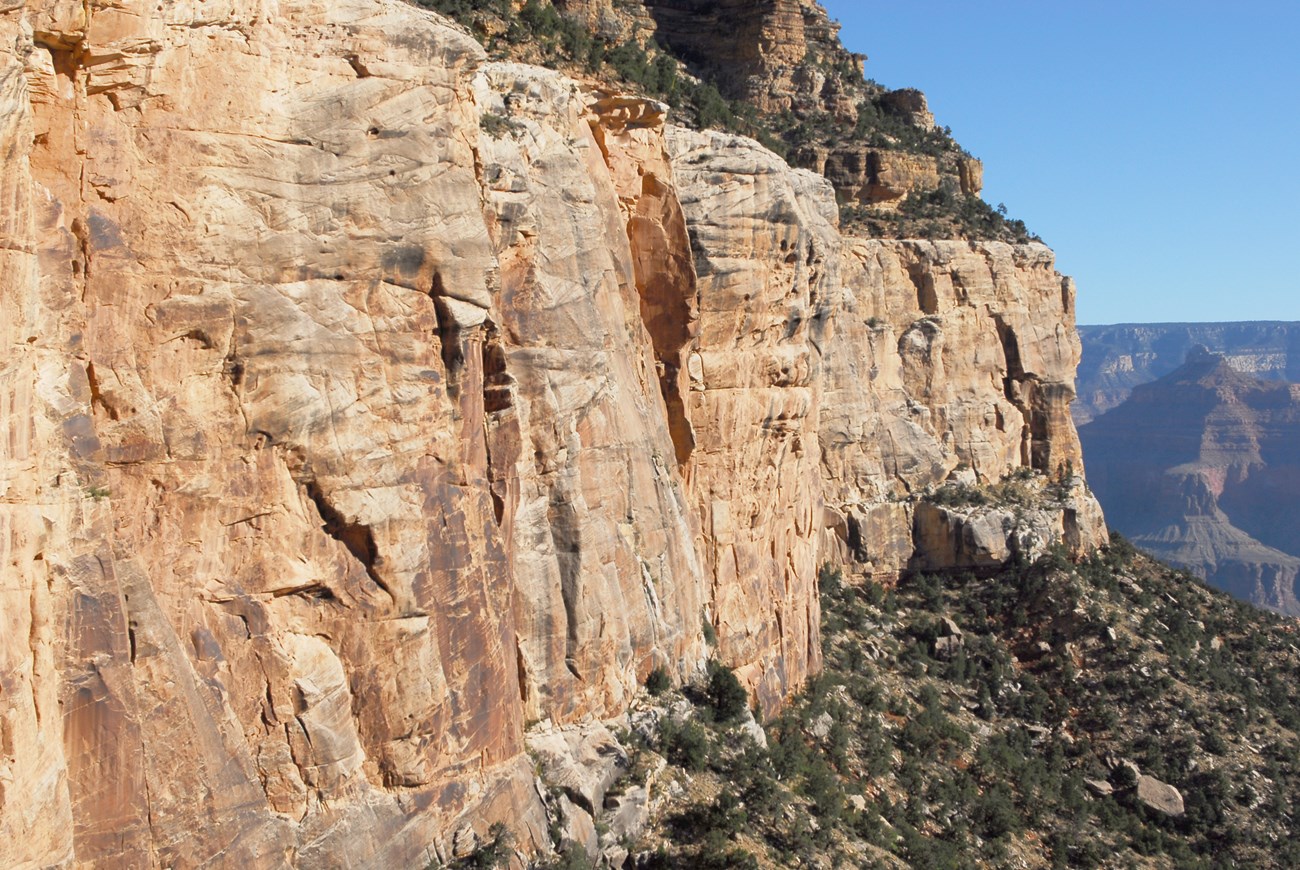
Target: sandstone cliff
{"points": [[1202, 468], [784, 57], [366, 402], [1118, 358]]}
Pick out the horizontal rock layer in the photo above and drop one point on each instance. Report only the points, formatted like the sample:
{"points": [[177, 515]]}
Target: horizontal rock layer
{"points": [[1117, 358], [1202, 467], [364, 402]]}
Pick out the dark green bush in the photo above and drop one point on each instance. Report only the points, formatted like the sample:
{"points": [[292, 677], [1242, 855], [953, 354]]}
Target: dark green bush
{"points": [[685, 744], [727, 697], [657, 681]]}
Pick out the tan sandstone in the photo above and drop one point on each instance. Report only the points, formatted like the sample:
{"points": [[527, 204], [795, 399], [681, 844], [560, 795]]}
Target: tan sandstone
{"points": [[365, 402]]}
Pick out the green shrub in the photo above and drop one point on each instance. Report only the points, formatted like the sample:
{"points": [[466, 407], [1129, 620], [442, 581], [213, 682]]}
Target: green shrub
{"points": [[658, 681], [726, 696], [709, 632], [685, 744]]}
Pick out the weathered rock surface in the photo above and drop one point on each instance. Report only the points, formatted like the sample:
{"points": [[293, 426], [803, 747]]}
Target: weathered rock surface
{"points": [[947, 360], [363, 401], [1202, 467], [986, 537], [1159, 796], [583, 761], [1117, 358], [785, 57]]}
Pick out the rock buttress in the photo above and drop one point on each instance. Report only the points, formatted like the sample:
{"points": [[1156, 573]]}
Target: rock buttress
{"points": [[365, 402]]}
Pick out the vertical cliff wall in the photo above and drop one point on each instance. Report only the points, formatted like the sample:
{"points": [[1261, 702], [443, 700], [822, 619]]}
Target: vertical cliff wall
{"points": [[365, 403]]}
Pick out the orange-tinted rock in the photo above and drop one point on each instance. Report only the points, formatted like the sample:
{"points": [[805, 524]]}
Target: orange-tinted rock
{"points": [[363, 401]]}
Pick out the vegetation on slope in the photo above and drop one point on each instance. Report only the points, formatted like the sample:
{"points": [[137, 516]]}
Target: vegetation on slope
{"points": [[538, 33], [964, 722]]}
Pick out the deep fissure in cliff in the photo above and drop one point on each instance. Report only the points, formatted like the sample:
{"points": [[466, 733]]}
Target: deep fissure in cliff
{"points": [[358, 538], [665, 283], [1021, 389]]}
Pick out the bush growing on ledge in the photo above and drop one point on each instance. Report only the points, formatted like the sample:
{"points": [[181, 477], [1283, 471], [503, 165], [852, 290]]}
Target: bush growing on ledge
{"points": [[658, 682], [496, 851], [726, 696]]}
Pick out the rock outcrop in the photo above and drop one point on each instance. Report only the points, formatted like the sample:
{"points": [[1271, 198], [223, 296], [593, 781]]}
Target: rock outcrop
{"points": [[775, 55], [948, 360], [784, 57], [364, 402], [1202, 468], [1118, 358]]}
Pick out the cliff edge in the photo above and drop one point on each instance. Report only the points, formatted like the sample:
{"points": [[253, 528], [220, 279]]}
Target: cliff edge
{"points": [[367, 403]]}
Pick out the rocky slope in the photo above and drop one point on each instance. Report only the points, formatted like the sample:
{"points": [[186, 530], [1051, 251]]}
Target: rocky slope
{"points": [[1202, 468], [1115, 713], [1118, 358], [367, 402]]}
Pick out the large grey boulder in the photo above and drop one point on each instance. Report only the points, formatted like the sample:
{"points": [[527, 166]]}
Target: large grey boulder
{"points": [[1159, 796]]}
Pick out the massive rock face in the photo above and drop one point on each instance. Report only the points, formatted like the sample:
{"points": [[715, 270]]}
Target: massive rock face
{"points": [[1202, 468], [1118, 358], [947, 358], [364, 402]]}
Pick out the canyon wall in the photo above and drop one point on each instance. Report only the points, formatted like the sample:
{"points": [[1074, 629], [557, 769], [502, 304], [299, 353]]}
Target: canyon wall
{"points": [[366, 403], [1117, 358], [1201, 468]]}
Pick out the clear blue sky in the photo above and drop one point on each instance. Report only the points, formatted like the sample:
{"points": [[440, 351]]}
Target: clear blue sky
{"points": [[1154, 145]]}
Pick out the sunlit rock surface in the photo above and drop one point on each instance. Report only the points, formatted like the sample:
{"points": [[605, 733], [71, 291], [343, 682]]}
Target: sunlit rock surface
{"points": [[364, 402]]}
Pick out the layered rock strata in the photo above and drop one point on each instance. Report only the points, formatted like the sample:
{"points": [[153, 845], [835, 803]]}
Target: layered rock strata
{"points": [[1117, 358], [1201, 467], [365, 402]]}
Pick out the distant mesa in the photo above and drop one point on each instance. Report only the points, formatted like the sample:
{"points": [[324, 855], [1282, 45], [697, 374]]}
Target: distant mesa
{"points": [[1117, 358], [1202, 468], [1200, 354]]}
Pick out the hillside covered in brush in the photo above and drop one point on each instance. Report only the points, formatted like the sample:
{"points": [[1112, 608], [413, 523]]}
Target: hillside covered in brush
{"points": [[775, 71], [1114, 713]]}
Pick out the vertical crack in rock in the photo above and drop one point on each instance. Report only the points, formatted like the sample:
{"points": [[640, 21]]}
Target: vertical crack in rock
{"points": [[927, 297], [498, 402], [521, 666], [856, 544], [449, 337], [566, 535], [356, 537], [1011, 351], [97, 399], [1021, 390], [666, 287]]}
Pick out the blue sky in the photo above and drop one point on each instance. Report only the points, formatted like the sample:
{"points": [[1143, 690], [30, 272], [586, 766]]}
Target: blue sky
{"points": [[1154, 145]]}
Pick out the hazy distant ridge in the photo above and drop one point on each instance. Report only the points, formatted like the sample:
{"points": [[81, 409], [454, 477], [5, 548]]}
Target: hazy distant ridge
{"points": [[1118, 357]]}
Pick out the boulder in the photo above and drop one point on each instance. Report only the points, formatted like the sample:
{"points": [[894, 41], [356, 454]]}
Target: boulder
{"points": [[583, 761], [628, 813], [945, 648], [1159, 796], [1099, 787]]}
